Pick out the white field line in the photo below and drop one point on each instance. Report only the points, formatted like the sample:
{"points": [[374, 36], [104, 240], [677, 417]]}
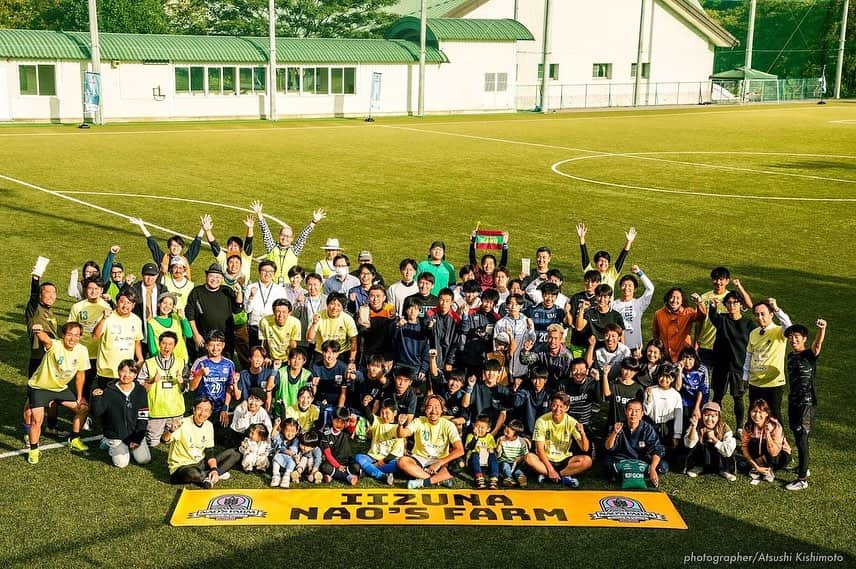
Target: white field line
{"points": [[844, 121], [491, 139], [644, 156], [51, 446], [690, 111], [555, 168], [63, 195]]}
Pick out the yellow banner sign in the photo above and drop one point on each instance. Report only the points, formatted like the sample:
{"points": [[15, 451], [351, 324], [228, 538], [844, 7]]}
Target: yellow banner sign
{"points": [[426, 507]]}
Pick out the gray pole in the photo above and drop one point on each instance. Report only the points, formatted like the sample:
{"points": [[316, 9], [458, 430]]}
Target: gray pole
{"points": [[545, 57], [839, 66], [272, 59], [750, 38], [423, 25], [96, 55], [639, 54]]}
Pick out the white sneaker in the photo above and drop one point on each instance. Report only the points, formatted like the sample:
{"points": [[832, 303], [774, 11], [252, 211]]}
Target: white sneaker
{"points": [[415, 483], [797, 485], [225, 476], [754, 478], [694, 472], [727, 475], [87, 425], [390, 479], [769, 477], [274, 482], [295, 476], [285, 482]]}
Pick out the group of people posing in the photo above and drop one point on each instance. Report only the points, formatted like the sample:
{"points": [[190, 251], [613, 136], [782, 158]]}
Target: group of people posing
{"points": [[476, 370]]}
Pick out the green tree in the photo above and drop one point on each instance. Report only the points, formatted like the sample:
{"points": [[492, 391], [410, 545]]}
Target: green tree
{"points": [[133, 16], [294, 18]]}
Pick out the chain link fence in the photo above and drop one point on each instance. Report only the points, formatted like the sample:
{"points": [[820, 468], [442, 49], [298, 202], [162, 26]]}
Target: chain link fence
{"points": [[605, 95]]}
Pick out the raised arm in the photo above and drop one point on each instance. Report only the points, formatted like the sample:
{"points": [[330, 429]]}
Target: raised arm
{"points": [[819, 337], [267, 238], [584, 256], [631, 236], [300, 241]]}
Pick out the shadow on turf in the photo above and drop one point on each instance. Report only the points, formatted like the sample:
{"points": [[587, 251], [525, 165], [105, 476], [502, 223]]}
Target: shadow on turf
{"points": [[815, 165], [709, 532]]}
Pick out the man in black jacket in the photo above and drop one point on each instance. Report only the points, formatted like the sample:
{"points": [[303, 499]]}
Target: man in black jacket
{"points": [[123, 408]]}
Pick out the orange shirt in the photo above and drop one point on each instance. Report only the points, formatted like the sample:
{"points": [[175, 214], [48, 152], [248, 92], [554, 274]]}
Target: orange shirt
{"points": [[674, 328]]}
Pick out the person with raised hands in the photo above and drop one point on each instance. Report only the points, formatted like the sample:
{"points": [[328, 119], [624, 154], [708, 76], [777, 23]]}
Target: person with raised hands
{"points": [[284, 252], [243, 248], [174, 245], [608, 274]]}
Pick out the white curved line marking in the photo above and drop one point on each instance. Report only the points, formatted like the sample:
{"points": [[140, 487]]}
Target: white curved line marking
{"points": [[555, 169]]}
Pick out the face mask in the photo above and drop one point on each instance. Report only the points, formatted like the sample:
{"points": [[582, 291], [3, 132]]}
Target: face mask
{"points": [[342, 271]]}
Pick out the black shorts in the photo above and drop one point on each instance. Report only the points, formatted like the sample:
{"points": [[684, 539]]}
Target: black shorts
{"points": [[801, 417], [561, 465], [728, 381], [39, 398]]}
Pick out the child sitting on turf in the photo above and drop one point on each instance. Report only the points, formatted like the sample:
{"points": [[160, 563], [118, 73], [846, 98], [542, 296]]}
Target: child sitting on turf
{"points": [[711, 444], [662, 406], [309, 460], [381, 460], [481, 452], [255, 448], [304, 412], [285, 444], [336, 448], [511, 450]]}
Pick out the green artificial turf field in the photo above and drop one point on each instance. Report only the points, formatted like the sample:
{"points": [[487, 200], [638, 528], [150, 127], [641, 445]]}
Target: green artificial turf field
{"points": [[768, 191]]}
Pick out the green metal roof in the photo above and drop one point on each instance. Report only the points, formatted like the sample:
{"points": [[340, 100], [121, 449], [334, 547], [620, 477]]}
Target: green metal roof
{"points": [[461, 29], [435, 8], [39, 44]]}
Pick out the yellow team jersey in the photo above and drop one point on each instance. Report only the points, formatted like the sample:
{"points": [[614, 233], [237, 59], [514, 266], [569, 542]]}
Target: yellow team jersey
{"points": [[708, 332], [767, 357], [385, 441], [556, 436], [306, 419], [188, 444], [180, 292], [277, 337], [341, 328], [118, 339], [165, 394], [433, 441], [88, 314], [59, 367]]}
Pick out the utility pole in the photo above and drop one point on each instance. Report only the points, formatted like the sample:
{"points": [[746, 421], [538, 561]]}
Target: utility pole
{"points": [[839, 66], [545, 63], [750, 39], [639, 53], [423, 25], [96, 56], [272, 59]]}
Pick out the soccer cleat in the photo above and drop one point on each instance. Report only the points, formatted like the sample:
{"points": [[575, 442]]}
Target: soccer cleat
{"points": [[727, 475], [103, 444], [33, 456], [274, 482], [570, 482], [492, 484], [77, 444], [508, 482], [480, 483], [694, 472], [390, 479], [415, 483], [522, 481], [797, 485]]}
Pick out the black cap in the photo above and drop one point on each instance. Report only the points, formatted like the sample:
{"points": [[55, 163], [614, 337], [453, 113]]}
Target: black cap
{"points": [[214, 268], [150, 269]]}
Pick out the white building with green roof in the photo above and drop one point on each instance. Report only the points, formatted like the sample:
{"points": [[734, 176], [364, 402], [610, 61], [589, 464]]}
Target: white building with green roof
{"points": [[470, 68]]}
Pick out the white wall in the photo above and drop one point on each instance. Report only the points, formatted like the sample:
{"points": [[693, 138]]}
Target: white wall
{"points": [[460, 84], [495, 10], [66, 105]]}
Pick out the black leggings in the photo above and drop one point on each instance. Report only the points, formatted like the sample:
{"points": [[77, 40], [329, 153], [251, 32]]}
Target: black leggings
{"points": [[196, 473], [730, 382], [801, 418]]}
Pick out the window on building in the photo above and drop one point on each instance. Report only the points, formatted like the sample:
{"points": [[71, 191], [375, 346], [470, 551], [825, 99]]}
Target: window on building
{"points": [[336, 80], [646, 70], [489, 82], [554, 71], [601, 71], [245, 76], [215, 80], [228, 80], [182, 80], [293, 80], [308, 79], [259, 79], [350, 80], [502, 82], [197, 79], [322, 80], [37, 79]]}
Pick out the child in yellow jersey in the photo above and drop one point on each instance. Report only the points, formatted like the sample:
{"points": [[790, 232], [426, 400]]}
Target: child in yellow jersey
{"points": [[381, 460], [481, 453], [164, 376], [88, 312], [304, 412]]}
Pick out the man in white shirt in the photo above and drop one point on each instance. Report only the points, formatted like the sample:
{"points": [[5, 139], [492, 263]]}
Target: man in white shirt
{"points": [[260, 298]]}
